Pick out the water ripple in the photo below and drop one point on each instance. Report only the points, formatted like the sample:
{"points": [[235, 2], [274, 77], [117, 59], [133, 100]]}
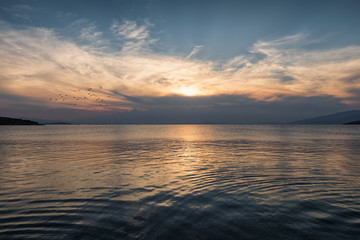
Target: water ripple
{"points": [[257, 183]]}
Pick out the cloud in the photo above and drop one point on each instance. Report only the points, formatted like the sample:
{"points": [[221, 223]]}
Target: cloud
{"points": [[90, 33], [130, 30], [283, 42], [136, 38], [312, 73], [20, 11], [56, 72], [194, 51], [85, 33]]}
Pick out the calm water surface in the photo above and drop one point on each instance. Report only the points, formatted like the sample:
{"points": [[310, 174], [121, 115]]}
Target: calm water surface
{"points": [[180, 182]]}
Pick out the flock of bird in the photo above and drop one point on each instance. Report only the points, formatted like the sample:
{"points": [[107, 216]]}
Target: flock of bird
{"points": [[90, 96]]}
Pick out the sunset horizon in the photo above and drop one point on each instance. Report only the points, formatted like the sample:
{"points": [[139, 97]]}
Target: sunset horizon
{"points": [[155, 60], [180, 120]]}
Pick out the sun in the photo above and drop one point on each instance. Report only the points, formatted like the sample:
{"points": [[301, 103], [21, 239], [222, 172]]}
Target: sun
{"points": [[189, 91]]}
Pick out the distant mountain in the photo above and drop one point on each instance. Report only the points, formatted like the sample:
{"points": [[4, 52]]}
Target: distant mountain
{"points": [[49, 122], [355, 122], [16, 121], [336, 118]]}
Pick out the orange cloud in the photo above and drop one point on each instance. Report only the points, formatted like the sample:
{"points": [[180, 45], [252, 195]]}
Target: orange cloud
{"points": [[40, 65]]}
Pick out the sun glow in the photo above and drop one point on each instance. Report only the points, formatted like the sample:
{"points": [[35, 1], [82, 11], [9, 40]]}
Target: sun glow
{"points": [[112, 81], [189, 91]]}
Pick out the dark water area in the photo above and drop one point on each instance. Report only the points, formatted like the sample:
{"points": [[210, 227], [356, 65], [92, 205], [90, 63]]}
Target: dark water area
{"points": [[180, 182]]}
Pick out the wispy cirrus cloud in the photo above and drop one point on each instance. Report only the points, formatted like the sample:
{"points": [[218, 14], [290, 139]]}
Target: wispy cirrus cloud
{"points": [[194, 51], [130, 30], [41, 65], [135, 37], [20, 11], [90, 33]]}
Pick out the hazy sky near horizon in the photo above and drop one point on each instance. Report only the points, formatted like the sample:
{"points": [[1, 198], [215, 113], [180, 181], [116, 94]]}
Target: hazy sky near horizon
{"points": [[178, 61]]}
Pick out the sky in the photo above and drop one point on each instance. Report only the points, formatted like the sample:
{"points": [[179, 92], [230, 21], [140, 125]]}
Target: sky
{"points": [[159, 61]]}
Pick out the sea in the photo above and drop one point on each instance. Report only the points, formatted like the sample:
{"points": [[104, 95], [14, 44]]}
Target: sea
{"points": [[180, 182]]}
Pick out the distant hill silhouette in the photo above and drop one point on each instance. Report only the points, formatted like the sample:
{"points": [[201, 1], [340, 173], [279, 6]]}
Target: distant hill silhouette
{"points": [[336, 118], [49, 122], [355, 122], [16, 121]]}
